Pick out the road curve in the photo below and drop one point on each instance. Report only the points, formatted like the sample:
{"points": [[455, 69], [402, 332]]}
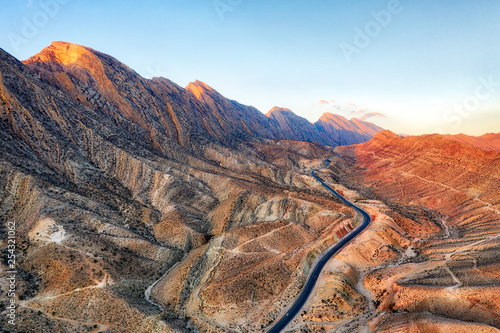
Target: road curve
{"points": [[314, 274]]}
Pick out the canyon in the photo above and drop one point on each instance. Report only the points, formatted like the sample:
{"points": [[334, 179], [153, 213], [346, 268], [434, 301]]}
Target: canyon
{"points": [[142, 206]]}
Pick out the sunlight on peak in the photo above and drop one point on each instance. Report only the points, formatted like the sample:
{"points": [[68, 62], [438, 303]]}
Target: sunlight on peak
{"points": [[61, 52]]}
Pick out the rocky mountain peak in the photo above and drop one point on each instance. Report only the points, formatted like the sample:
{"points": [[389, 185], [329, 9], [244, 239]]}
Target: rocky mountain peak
{"points": [[386, 135], [199, 88], [61, 52], [97, 80], [278, 109], [334, 119]]}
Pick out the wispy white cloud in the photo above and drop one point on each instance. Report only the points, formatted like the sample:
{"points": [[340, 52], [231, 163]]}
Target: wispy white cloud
{"points": [[354, 112], [372, 114], [350, 109], [330, 101]]}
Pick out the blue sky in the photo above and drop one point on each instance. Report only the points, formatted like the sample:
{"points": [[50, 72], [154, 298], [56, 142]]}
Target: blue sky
{"points": [[424, 66]]}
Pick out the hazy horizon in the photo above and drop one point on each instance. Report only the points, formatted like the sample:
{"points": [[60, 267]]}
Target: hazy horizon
{"points": [[411, 67]]}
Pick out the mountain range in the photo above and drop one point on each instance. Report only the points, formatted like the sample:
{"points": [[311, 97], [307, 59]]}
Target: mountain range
{"points": [[112, 179], [99, 81], [142, 206]]}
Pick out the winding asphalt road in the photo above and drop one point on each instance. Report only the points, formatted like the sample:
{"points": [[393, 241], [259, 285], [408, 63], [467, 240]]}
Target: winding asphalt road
{"points": [[313, 276]]}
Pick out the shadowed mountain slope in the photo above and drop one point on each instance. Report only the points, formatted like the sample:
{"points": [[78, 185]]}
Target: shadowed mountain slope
{"points": [[346, 132], [294, 127]]}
